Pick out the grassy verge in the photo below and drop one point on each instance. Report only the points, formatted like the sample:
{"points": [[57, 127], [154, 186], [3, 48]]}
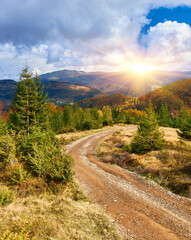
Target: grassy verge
{"points": [[170, 167], [67, 138], [67, 215]]}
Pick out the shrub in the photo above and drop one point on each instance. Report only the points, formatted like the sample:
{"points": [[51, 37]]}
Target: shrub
{"points": [[32, 187], [7, 151], [50, 164], [67, 129], [18, 174], [149, 136], [44, 158], [185, 129], [6, 196], [87, 125]]}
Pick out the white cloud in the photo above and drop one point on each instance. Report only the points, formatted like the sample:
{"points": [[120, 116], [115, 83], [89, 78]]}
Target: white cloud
{"points": [[89, 35], [169, 44]]}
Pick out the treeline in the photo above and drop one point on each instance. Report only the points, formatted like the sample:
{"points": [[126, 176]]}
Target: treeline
{"points": [[70, 118]]}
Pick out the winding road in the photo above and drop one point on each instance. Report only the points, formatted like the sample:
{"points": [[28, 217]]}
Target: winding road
{"points": [[141, 209]]}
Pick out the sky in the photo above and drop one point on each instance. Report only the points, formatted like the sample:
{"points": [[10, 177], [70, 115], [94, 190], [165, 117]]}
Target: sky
{"points": [[94, 35]]}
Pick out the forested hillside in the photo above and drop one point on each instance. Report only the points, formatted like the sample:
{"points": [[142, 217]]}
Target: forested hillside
{"points": [[113, 100], [175, 95], [58, 92]]}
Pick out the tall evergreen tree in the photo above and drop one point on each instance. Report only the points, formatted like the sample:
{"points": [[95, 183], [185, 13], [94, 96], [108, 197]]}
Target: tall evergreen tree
{"points": [[164, 116], [40, 101], [28, 103], [149, 136]]}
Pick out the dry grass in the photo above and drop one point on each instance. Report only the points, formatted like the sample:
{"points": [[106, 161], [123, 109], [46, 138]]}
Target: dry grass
{"points": [[67, 138], [170, 167], [65, 216]]}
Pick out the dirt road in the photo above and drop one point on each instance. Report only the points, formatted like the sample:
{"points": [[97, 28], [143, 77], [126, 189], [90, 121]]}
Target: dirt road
{"points": [[140, 208]]}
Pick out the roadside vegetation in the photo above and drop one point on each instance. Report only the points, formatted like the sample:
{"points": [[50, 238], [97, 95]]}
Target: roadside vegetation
{"points": [[169, 166], [39, 198]]}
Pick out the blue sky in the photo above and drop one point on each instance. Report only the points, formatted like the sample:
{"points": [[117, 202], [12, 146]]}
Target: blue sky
{"points": [[94, 35], [180, 14]]}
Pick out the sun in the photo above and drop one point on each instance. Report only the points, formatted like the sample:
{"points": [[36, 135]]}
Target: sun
{"points": [[141, 68]]}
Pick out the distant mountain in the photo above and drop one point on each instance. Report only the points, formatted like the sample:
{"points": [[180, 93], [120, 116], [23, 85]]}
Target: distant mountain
{"points": [[7, 87], [58, 92], [125, 82], [174, 95]]}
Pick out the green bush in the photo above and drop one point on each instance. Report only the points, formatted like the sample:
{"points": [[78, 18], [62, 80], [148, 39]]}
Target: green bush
{"points": [[7, 151], [185, 129], [67, 129], [51, 164], [148, 137], [87, 125], [18, 174], [6, 196]]}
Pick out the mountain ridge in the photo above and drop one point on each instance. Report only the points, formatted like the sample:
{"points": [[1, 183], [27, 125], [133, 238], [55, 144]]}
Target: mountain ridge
{"points": [[58, 92], [126, 82]]}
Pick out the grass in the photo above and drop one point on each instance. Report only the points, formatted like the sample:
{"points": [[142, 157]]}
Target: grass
{"points": [[66, 138], [32, 209], [68, 215], [170, 167]]}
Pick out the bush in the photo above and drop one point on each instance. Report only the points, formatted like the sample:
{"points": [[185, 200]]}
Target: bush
{"points": [[185, 129], [149, 136], [6, 196], [18, 174], [108, 123], [51, 164], [43, 157], [87, 125], [32, 187], [7, 151], [67, 129]]}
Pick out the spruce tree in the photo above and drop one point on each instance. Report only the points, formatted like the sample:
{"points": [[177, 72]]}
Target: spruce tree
{"points": [[28, 103], [164, 116], [40, 101], [185, 129], [149, 136], [3, 127]]}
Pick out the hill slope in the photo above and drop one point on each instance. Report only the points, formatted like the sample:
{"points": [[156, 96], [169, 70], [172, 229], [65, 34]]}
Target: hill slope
{"points": [[174, 95], [125, 82], [57, 91], [110, 100]]}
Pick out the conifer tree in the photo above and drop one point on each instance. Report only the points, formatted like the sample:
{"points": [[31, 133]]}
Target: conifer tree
{"points": [[28, 103], [3, 127], [68, 116], [107, 116], [148, 137], [185, 129], [40, 101], [164, 116]]}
